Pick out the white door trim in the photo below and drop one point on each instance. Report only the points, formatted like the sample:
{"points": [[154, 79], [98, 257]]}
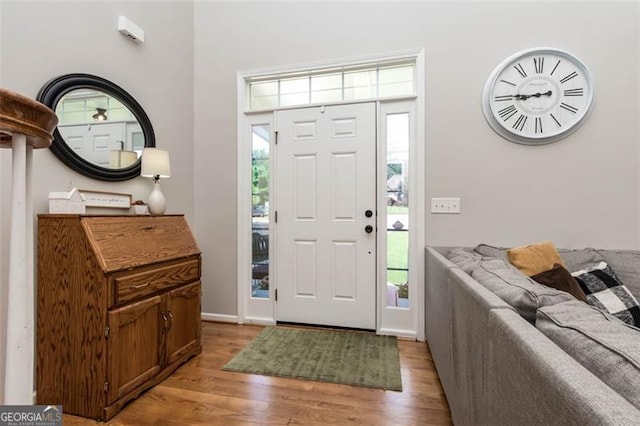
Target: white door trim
{"points": [[263, 313]]}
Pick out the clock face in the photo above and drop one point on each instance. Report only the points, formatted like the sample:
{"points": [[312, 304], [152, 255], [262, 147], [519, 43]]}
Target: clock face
{"points": [[538, 96]]}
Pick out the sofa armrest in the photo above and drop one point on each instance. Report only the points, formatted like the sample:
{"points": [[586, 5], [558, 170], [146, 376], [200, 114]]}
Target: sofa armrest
{"points": [[471, 304], [457, 312], [437, 314]]}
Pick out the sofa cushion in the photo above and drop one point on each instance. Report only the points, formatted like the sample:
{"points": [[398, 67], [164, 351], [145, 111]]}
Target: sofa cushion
{"points": [[626, 263], [560, 278], [518, 290], [487, 250], [464, 259], [605, 291], [534, 258], [574, 259], [607, 347]]}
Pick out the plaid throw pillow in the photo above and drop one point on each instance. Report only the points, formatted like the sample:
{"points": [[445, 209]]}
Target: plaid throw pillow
{"points": [[605, 291]]}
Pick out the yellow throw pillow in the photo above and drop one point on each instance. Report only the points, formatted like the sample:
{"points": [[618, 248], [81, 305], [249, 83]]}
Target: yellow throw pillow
{"points": [[534, 258]]}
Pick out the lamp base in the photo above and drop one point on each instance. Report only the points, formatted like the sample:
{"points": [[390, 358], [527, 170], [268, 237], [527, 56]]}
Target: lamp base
{"points": [[157, 203]]}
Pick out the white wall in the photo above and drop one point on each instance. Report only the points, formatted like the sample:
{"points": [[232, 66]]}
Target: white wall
{"points": [[582, 191], [40, 40]]}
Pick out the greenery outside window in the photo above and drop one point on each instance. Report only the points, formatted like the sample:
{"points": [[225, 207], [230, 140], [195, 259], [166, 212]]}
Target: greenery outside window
{"points": [[260, 211], [397, 210]]}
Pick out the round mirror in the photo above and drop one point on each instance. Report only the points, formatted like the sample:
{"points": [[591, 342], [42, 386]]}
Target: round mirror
{"points": [[101, 128]]}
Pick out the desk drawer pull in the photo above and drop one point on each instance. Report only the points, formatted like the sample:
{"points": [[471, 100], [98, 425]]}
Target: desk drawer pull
{"points": [[147, 284]]}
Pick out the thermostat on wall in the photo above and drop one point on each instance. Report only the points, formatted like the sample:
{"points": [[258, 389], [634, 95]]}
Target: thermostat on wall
{"points": [[130, 29]]}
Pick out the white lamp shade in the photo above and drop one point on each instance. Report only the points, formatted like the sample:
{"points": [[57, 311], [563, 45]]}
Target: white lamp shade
{"points": [[155, 162]]}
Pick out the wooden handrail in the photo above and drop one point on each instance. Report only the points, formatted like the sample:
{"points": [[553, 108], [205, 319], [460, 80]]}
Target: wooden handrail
{"points": [[20, 114]]}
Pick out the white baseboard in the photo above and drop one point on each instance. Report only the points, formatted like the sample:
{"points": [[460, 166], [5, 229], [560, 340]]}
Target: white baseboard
{"points": [[259, 321], [270, 321], [219, 317], [404, 334]]}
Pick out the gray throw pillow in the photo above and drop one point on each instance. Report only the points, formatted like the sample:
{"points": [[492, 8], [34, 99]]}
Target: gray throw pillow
{"points": [[575, 260], [465, 260], [491, 251], [607, 347], [515, 288]]}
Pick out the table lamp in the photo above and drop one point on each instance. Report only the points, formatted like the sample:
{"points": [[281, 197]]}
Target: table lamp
{"points": [[155, 164]]}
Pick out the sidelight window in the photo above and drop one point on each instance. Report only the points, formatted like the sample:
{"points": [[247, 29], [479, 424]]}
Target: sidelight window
{"points": [[397, 138], [260, 211]]}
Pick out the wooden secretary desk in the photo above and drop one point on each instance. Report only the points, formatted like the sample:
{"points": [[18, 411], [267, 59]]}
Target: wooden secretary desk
{"points": [[118, 308]]}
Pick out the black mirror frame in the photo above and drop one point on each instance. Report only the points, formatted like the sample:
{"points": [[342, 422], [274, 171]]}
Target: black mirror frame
{"points": [[55, 89]]}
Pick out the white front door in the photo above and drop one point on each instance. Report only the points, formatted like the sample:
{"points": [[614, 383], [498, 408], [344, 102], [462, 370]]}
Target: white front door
{"points": [[326, 215], [94, 142]]}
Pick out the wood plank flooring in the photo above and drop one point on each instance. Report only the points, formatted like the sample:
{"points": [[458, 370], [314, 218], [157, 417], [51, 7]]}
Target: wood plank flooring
{"points": [[200, 393]]}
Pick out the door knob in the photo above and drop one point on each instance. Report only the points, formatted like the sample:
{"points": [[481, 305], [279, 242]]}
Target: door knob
{"points": [[368, 213], [368, 229]]}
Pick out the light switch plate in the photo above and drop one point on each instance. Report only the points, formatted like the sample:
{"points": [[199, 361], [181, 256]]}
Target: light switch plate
{"points": [[445, 205]]}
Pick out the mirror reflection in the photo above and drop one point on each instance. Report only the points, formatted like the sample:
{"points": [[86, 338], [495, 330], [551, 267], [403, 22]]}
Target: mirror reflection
{"points": [[99, 128]]}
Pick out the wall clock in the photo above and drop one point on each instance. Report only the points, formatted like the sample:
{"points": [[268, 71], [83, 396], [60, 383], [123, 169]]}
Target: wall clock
{"points": [[538, 96]]}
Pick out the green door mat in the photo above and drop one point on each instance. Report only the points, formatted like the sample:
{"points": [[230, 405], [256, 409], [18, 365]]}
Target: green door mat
{"points": [[350, 358]]}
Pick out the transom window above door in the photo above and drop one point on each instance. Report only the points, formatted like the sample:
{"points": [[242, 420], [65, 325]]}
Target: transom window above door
{"points": [[332, 85]]}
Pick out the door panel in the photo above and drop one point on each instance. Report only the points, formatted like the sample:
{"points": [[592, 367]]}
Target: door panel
{"points": [[134, 346], [325, 181], [344, 270], [305, 268], [306, 187], [96, 141], [183, 310], [343, 186]]}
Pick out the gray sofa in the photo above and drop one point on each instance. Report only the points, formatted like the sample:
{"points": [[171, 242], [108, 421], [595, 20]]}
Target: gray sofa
{"points": [[499, 367]]}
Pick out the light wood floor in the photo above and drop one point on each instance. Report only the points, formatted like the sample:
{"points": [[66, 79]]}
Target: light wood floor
{"points": [[201, 393]]}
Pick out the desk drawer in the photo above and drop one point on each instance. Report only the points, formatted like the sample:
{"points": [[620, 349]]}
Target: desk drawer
{"points": [[141, 283]]}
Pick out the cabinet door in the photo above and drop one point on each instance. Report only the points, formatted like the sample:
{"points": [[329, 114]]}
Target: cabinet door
{"points": [[183, 309], [135, 346]]}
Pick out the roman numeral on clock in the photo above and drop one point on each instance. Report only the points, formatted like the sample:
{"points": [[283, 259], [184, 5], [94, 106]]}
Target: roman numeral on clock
{"points": [[574, 92], [507, 112], [555, 67], [568, 77], [569, 108], [538, 125], [538, 64], [509, 83], [503, 98], [520, 70], [556, 120], [520, 122]]}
